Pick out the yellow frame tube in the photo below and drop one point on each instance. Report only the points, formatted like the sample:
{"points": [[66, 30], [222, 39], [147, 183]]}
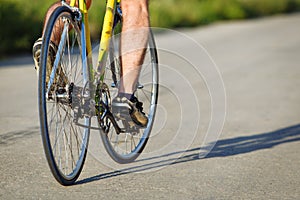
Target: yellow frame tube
{"points": [[105, 34], [82, 7]]}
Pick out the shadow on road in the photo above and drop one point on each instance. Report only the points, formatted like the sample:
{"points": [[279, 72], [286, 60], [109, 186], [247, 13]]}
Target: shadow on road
{"points": [[20, 60], [223, 148], [10, 137]]}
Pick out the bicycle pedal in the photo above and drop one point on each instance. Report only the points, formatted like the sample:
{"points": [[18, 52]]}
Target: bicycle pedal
{"points": [[123, 116], [121, 113]]}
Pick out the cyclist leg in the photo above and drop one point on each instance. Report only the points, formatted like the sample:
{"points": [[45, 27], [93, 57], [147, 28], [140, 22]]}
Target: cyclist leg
{"points": [[57, 31], [134, 39], [36, 49], [133, 42]]}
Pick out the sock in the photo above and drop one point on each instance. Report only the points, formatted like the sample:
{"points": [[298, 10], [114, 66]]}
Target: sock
{"points": [[126, 95]]}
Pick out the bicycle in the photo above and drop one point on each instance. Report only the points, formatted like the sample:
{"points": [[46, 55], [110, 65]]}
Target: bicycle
{"points": [[72, 92]]}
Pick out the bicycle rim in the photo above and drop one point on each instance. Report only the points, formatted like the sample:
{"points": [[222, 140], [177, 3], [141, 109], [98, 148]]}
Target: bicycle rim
{"points": [[65, 143]]}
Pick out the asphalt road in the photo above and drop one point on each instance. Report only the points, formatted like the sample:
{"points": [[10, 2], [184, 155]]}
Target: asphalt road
{"points": [[255, 63]]}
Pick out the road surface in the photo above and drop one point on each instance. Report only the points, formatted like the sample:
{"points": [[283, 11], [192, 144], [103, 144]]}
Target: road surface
{"points": [[257, 154]]}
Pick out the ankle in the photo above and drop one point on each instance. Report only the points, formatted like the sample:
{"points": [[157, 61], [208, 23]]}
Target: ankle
{"points": [[129, 96]]}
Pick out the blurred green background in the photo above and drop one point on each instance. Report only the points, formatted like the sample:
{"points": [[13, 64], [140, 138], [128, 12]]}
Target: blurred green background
{"points": [[22, 20]]}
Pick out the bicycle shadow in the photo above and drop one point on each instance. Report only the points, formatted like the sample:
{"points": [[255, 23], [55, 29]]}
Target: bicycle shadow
{"points": [[223, 148]]}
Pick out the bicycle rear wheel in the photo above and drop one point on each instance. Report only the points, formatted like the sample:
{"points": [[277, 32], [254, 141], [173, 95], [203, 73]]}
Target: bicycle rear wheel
{"points": [[61, 83], [125, 147]]}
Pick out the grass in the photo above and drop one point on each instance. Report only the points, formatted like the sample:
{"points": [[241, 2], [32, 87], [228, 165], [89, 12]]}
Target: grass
{"points": [[21, 21], [178, 13]]}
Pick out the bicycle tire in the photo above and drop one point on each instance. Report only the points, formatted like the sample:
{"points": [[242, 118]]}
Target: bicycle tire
{"points": [[110, 139], [65, 143]]}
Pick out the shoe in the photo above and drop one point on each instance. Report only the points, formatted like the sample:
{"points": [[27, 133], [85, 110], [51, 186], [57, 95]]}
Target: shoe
{"points": [[123, 106], [36, 53]]}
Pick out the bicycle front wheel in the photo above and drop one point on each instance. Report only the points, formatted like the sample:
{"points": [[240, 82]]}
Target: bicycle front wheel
{"points": [[126, 146], [61, 83]]}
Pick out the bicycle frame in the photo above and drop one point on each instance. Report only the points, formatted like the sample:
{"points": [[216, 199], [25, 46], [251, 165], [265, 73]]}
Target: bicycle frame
{"points": [[92, 78], [105, 37], [72, 92]]}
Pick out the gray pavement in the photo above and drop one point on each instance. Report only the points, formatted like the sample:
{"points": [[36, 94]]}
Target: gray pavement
{"points": [[257, 155]]}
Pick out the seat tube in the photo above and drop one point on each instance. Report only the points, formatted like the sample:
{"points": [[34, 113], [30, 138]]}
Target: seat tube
{"points": [[72, 2], [105, 36], [85, 42]]}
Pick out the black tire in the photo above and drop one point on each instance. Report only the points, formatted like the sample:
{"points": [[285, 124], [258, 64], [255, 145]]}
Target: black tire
{"points": [[147, 93], [65, 143]]}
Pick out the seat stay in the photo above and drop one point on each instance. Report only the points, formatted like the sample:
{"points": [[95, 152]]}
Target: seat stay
{"points": [[58, 56]]}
